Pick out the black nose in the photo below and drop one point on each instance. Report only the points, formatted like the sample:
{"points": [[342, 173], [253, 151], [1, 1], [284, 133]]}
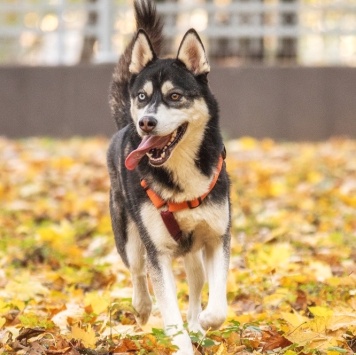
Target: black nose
{"points": [[147, 123]]}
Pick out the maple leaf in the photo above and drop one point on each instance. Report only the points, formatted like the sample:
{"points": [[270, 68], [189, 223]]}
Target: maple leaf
{"points": [[273, 340], [342, 318], [99, 302], [86, 336]]}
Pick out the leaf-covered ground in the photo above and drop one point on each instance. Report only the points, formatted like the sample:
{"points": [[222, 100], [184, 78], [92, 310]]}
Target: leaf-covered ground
{"points": [[292, 284]]}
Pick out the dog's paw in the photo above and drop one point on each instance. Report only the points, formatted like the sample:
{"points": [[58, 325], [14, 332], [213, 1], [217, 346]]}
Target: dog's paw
{"points": [[143, 310], [192, 318], [211, 319], [182, 341], [194, 327]]}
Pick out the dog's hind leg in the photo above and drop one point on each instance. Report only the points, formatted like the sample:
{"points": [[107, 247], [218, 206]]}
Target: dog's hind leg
{"points": [[195, 275], [217, 264], [163, 282]]}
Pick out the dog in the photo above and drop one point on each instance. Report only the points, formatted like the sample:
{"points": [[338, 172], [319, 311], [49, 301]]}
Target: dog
{"points": [[169, 193]]}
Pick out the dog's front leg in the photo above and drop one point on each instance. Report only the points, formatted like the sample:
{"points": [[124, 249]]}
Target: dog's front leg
{"points": [[132, 252], [136, 257], [165, 290], [195, 276], [217, 264]]}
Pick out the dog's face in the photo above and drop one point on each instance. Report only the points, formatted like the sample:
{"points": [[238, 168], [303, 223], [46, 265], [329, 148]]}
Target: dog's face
{"points": [[167, 97]]}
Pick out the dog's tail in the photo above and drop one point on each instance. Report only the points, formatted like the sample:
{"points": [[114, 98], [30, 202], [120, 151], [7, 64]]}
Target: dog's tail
{"points": [[148, 20]]}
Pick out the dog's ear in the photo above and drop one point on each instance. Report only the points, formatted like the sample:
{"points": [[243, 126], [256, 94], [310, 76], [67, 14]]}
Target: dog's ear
{"points": [[192, 53], [142, 52]]}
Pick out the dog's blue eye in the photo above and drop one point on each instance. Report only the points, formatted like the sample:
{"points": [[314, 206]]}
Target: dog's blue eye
{"points": [[141, 96]]}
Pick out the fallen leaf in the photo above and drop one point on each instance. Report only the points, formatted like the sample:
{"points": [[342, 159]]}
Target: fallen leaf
{"points": [[295, 319], [86, 336]]}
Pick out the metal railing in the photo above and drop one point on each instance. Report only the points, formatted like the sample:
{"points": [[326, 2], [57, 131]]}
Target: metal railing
{"points": [[270, 30]]}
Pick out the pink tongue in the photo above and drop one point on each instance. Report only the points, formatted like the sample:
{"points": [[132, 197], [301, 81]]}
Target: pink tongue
{"points": [[147, 143]]}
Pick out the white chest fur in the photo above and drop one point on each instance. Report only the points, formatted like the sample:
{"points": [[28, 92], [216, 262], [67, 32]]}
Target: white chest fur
{"points": [[207, 223]]}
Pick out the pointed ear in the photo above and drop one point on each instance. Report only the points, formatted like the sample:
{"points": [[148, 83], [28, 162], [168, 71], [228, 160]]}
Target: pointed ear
{"points": [[192, 53], [142, 53]]}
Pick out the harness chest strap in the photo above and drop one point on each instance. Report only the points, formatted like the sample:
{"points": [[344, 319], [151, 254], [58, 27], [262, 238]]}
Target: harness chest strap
{"points": [[167, 215]]}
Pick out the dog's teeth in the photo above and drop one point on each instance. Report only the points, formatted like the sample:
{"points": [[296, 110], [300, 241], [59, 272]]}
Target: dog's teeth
{"points": [[159, 155], [173, 137]]}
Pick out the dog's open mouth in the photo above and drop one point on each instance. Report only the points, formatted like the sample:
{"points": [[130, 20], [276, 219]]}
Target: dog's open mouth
{"points": [[157, 148]]}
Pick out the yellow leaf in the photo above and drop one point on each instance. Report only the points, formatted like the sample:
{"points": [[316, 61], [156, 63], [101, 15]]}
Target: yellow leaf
{"points": [[294, 319], [321, 311], [87, 337], [342, 318], [288, 281], [278, 188], [24, 287], [4, 307], [62, 162], [18, 304], [322, 271], [99, 302], [248, 143], [319, 324], [333, 352], [244, 318], [104, 224], [155, 322], [314, 177], [341, 281], [60, 236], [304, 337], [275, 257], [221, 350], [2, 321], [276, 298], [290, 352]]}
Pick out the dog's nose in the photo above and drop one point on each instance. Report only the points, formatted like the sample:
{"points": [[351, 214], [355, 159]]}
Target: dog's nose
{"points": [[147, 123]]}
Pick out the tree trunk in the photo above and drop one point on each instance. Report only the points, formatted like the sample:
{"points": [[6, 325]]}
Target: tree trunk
{"points": [[89, 41], [287, 46]]}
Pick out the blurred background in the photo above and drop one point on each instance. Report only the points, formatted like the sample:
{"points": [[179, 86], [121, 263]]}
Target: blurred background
{"points": [[281, 68], [55, 32]]}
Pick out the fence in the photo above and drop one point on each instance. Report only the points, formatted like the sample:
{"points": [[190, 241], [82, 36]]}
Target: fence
{"points": [[284, 103], [60, 32]]}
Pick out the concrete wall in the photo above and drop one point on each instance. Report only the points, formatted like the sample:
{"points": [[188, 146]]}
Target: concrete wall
{"points": [[282, 103]]}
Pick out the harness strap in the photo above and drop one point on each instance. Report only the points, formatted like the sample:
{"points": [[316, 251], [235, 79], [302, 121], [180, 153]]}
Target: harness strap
{"points": [[159, 202], [167, 215]]}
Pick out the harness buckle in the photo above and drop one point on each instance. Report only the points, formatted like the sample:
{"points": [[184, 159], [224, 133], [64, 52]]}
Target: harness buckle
{"points": [[194, 203]]}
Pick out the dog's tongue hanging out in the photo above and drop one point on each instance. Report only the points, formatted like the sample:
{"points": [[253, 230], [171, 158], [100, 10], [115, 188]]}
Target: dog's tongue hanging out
{"points": [[147, 143]]}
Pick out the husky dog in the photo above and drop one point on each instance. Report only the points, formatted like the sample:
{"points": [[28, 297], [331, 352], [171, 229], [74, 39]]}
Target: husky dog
{"points": [[169, 191]]}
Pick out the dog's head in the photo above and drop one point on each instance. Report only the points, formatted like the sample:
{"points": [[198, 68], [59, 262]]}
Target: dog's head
{"points": [[167, 97]]}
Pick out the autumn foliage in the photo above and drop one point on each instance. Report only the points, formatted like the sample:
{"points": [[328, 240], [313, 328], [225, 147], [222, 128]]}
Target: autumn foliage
{"points": [[292, 283]]}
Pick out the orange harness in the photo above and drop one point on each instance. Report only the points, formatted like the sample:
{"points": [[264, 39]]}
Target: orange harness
{"points": [[167, 215]]}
